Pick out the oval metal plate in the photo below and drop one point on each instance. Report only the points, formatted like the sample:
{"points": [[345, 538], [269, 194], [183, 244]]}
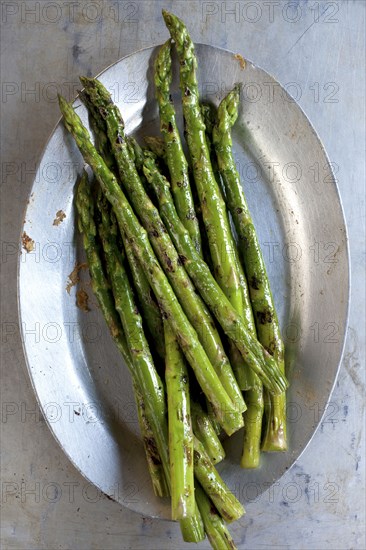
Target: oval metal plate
{"points": [[82, 386]]}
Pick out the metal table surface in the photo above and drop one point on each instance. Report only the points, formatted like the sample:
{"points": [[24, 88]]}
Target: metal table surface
{"points": [[316, 49]]}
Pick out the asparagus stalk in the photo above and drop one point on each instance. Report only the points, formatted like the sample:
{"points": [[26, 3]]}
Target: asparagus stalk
{"points": [[216, 530], [156, 470], [148, 304], [180, 428], [231, 322], [247, 379], [174, 155], [148, 379], [212, 204], [221, 242], [205, 432], [259, 287], [209, 116], [254, 412], [145, 296], [137, 237], [252, 427], [253, 395], [195, 309], [245, 376], [224, 500], [101, 289]]}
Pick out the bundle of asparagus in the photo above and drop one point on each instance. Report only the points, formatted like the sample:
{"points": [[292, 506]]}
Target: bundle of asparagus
{"points": [[180, 265]]}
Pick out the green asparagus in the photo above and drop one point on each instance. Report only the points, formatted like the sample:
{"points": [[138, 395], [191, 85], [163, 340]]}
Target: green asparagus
{"points": [[138, 153], [101, 289], [215, 527], [145, 295], [148, 304], [186, 272], [205, 432], [226, 503], [253, 427], [156, 470], [259, 287], [231, 322], [147, 377], [247, 379], [245, 376], [192, 529], [137, 237], [180, 428], [99, 130], [194, 308], [212, 204], [209, 116], [174, 155]]}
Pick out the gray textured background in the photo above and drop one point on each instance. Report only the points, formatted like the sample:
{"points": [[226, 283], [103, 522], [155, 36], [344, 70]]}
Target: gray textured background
{"points": [[319, 48]]}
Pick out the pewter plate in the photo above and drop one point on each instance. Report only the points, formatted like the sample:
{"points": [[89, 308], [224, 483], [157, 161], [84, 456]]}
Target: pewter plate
{"points": [[82, 385]]}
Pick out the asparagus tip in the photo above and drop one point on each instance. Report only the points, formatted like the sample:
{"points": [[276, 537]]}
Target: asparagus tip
{"points": [[168, 17], [61, 101], [86, 81]]}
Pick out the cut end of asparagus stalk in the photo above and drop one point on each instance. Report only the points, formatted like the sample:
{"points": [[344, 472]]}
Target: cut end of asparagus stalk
{"points": [[276, 444], [275, 436], [192, 529]]}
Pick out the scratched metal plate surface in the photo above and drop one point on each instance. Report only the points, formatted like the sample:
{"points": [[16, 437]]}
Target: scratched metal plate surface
{"points": [[80, 381]]}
